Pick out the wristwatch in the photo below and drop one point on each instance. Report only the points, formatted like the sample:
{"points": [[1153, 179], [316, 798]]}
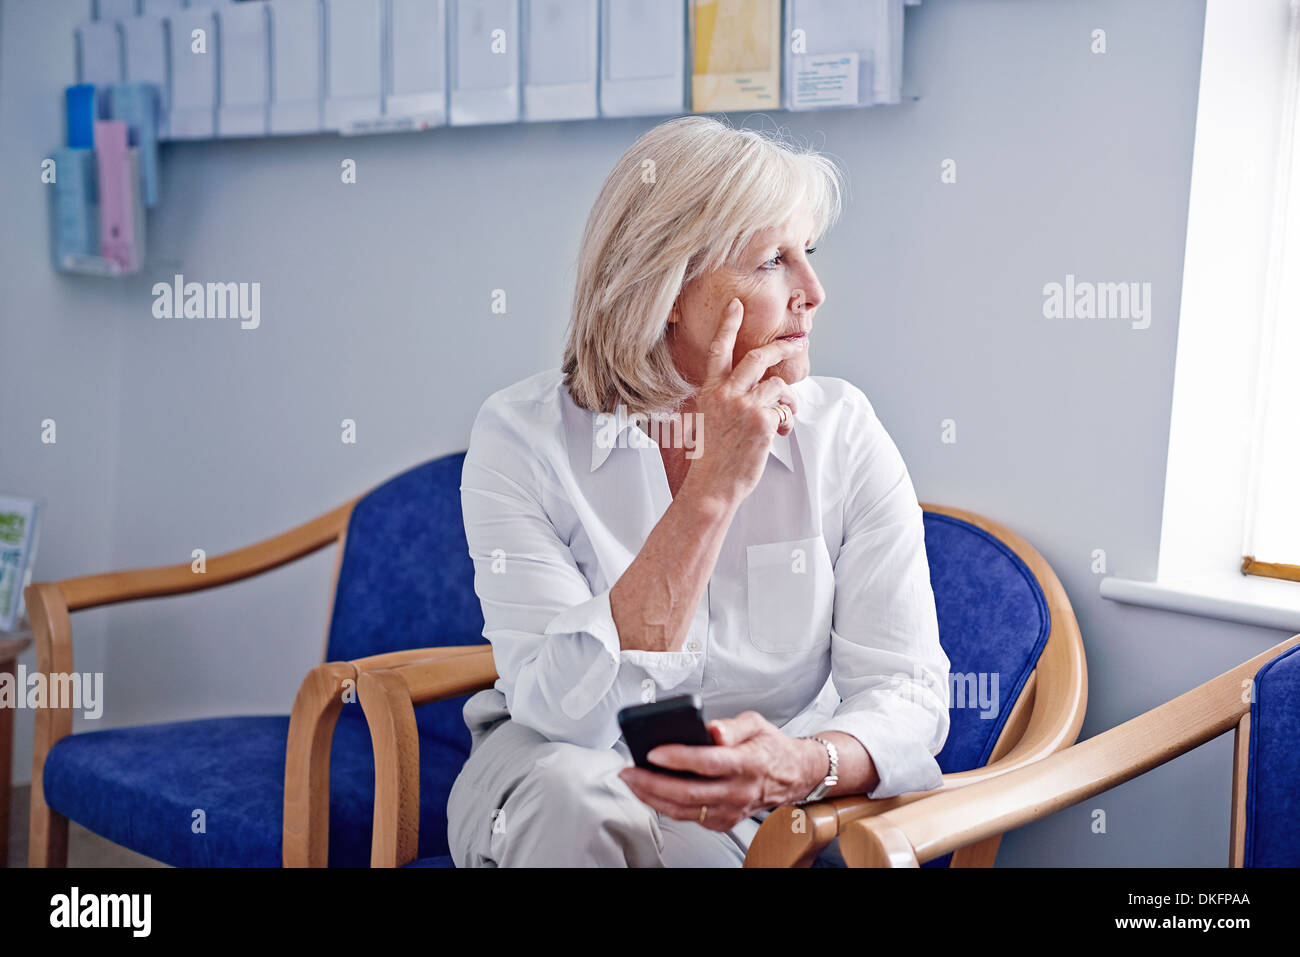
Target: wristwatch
{"points": [[832, 776]]}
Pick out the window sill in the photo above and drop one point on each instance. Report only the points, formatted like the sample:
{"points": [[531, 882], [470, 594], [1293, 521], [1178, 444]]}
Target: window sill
{"points": [[1248, 600]]}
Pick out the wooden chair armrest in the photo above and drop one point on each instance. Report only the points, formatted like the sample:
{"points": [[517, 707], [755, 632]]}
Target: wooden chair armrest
{"points": [[821, 822], [395, 659], [793, 837], [917, 832], [49, 603], [388, 697], [89, 591], [316, 709], [435, 678]]}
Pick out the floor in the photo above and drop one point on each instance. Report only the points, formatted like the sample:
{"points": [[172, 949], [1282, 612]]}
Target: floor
{"points": [[84, 848]]}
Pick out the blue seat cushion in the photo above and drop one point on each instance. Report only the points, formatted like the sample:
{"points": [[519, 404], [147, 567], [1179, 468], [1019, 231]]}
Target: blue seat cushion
{"points": [[141, 786], [1273, 775]]}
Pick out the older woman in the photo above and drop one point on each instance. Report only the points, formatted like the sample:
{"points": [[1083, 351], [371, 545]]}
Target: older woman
{"points": [[683, 508]]}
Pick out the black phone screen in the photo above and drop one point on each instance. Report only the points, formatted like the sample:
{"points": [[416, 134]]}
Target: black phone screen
{"points": [[678, 720]]}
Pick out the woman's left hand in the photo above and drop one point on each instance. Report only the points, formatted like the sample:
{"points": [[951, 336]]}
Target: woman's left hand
{"points": [[754, 766]]}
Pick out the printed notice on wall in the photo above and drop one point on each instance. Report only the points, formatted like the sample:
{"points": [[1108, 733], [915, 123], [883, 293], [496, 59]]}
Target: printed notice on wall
{"points": [[826, 79], [19, 520]]}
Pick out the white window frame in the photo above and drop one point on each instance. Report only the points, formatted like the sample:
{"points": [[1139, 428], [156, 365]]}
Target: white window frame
{"points": [[1239, 119]]}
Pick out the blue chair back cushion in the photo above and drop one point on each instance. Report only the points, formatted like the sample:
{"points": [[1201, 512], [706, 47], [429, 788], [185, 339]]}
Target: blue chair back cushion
{"points": [[407, 581], [1273, 773], [993, 624]]}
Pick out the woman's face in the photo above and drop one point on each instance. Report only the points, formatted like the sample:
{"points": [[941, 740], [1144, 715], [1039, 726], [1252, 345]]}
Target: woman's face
{"points": [[777, 287]]}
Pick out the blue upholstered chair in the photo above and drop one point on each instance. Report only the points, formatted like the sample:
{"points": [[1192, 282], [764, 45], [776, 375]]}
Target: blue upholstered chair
{"points": [[1259, 701], [403, 581], [1002, 612], [1269, 801]]}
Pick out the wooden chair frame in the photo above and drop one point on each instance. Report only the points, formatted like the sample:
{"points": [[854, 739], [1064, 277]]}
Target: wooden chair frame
{"points": [[909, 836], [319, 700], [1043, 720]]}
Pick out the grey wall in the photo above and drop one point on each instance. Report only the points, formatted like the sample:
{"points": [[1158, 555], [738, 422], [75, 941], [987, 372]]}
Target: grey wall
{"points": [[375, 306]]}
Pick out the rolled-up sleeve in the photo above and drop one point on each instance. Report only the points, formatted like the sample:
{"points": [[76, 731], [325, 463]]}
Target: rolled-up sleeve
{"points": [[886, 660], [554, 640]]}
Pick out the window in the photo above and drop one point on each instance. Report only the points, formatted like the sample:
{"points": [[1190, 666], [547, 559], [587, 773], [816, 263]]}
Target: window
{"points": [[1233, 483], [1271, 538]]}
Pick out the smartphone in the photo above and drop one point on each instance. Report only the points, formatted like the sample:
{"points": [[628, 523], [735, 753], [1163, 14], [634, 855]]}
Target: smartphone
{"points": [[678, 720]]}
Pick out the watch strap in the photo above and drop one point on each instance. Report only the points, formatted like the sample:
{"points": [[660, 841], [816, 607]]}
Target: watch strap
{"points": [[832, 775]]}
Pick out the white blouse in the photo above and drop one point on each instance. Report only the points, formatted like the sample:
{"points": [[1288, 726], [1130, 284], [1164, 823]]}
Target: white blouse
{"points": [[821, 590]]}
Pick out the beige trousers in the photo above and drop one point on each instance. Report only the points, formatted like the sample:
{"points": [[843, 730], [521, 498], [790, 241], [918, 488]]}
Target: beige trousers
{"points": [[522, 800]]}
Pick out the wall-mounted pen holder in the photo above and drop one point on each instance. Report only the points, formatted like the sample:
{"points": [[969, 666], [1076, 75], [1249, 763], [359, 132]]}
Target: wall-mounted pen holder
{"points": [[104, 178]]}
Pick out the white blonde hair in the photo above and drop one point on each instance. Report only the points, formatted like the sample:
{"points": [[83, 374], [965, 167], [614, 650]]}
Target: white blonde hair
{"points": [[687, 197]]}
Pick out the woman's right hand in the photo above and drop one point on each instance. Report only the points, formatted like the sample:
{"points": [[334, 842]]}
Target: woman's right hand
{"points": [[736, 412]]}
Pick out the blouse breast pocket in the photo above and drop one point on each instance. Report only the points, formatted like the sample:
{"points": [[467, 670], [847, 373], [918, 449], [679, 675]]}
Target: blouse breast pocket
{"points": [[791, 587]]}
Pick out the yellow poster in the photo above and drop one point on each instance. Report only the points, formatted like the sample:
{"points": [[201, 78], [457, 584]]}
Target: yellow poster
{"points": [[736, 55]]}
